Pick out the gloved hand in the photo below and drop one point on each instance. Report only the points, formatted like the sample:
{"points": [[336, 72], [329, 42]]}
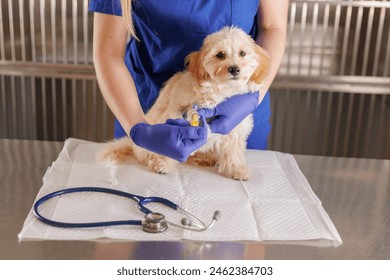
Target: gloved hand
{"points": [[230, 112], [175, 139]]}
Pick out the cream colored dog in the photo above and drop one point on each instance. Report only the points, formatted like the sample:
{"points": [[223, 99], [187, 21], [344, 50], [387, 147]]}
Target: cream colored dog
{"points": [[206, 81]]}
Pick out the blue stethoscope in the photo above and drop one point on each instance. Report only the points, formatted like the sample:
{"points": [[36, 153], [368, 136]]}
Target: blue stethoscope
{"points": [[153, 223]]}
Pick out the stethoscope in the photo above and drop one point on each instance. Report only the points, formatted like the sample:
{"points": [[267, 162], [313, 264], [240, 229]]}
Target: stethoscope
{"points": [[153, 223]]}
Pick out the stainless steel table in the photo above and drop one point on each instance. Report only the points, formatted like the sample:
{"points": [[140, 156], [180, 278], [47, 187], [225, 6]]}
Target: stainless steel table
{"points": [[354, 192]]}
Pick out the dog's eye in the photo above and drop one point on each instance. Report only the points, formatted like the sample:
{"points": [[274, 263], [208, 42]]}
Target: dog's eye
{"points": [[242, 53], [221, 55]]}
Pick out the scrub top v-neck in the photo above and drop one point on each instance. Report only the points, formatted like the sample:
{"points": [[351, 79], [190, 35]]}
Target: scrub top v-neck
{"points": [[168, 31]]}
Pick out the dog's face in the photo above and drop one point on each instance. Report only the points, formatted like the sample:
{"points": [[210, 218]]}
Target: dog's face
{"points": [[229, 56]]}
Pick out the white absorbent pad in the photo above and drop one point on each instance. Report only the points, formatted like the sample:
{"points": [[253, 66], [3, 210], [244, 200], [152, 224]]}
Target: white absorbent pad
{"points": [[275, 204]]}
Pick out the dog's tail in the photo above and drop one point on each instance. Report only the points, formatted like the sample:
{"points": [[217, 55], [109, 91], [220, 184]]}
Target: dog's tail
{"points": [[116, 151]]}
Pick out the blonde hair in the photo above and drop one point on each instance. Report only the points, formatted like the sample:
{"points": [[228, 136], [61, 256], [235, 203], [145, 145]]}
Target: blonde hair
{"points": [[128, 18]]}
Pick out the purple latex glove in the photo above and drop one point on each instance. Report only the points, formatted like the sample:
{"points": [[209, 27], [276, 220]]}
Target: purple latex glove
{"points": [[175, 139], [230, 112]]}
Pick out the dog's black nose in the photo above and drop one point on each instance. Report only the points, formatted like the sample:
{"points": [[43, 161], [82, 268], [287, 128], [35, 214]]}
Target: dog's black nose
{"points": [[234, 70]]}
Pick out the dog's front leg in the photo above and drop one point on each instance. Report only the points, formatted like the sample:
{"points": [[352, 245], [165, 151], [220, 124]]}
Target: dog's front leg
{"points": [[231, 156]]}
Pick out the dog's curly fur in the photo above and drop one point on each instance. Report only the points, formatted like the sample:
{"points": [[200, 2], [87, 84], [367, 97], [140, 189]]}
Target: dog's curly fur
{"points": [[206, 81]]}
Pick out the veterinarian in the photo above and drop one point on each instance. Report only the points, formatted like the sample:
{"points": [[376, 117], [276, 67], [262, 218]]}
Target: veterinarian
{"points": [[131, 74]]}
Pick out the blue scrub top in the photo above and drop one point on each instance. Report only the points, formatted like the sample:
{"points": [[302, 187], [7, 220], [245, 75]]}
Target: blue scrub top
{"points": [[168, 31]]}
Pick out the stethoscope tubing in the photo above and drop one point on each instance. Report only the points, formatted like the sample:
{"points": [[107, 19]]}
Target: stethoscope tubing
{"points": [[139, 199]]}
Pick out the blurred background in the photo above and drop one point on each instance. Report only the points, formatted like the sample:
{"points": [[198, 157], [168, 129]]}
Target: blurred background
{"points": [[331, 96]]}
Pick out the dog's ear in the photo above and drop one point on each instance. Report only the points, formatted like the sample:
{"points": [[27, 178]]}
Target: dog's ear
{"points": [[194, 64], [262, 69]]}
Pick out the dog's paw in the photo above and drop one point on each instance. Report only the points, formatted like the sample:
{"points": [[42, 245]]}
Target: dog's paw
{"points": [[241, 174], [159, 164], [237, 173], [160, 168]]}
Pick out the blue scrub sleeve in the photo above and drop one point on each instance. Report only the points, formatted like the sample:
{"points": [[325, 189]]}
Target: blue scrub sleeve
{"points": [[111, 7]]}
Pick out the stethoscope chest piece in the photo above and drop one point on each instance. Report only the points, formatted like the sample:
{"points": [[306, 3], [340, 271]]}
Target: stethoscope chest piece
{"points": [[154, 223]]}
